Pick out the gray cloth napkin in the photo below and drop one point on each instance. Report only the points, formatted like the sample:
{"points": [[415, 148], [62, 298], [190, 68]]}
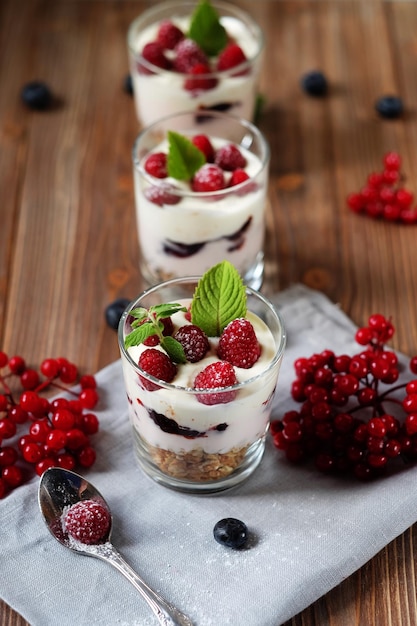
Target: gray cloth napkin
{"points": [[309, 531]]}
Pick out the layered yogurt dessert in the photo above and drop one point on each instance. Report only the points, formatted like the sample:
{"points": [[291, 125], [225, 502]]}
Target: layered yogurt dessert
{"points": [[200, 198], [193, 57], [200, 375]]}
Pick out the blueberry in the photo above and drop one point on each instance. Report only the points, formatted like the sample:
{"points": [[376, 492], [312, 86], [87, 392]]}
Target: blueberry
{"points": [[114, 311], [37, 95], [128, 84], [389, 106], [314, 83], [230, 532]]}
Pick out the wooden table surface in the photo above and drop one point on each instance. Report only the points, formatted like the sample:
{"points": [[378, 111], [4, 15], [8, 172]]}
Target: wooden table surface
{"points": [[68, 242]]}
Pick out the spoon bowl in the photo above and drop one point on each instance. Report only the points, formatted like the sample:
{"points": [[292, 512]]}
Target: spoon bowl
{"points": [[59, 489]]}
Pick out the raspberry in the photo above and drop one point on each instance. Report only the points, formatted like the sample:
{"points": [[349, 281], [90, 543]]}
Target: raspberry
{"points": [[194, 341], [215, 376], [230, 158], [153, 340], [169, 35], [154, 53], [200, 79], [156, 165], [162, 195], [157, 364], [208, 178], [188, 53], [203, 143], [230, 57], [237, 177], [87, 521], [238, 344]]}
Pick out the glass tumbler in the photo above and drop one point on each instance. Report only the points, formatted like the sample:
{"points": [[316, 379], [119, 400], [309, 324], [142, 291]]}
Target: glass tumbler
{"points": [[182, 231], [161, 89], [201, 440]]}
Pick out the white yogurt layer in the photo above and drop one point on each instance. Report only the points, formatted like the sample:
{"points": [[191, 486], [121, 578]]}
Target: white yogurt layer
{"points": [[163, 93], [246, 416], [196, 219]]}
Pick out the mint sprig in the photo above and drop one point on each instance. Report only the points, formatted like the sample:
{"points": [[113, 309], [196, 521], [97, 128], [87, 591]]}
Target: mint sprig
{"points": [[148, 322], [206, 29], [219, 298], [184, 158]]}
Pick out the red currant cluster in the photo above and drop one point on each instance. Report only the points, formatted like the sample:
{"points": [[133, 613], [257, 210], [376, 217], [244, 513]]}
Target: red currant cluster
{"points": [[59, 430], [343, 424], [384, 196]]}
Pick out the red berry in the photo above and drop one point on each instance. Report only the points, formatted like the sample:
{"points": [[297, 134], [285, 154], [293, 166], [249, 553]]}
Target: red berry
{"points": [[3, 359], [208, 178], [86, 456], [8, 456], [68, 373], [156, 165], [230, 57], [88, 398], [392, 161], [169, 35], [194, 341], [162, 194], [238, 344], [238, 176], [230, 158], [90, 423], [12, 476], [32, 452], [153, 53], [29, 379], [39, 430], [76, 439], [63, 419], [44, 464], [157, 364], [188, 53], [65, 460], [87, 521], [216, 376], [203, 143], [56, 439], [7, 428], [50, 368], [200, 78], [17, 365], [88, 382]]}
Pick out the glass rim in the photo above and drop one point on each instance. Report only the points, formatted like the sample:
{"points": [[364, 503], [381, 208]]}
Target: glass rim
{"points": [[177, 191], [191, 390], [235, 11]]}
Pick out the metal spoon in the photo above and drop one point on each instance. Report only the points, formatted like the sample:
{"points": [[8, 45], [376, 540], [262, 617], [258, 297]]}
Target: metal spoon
{"points": [[60, 488]]}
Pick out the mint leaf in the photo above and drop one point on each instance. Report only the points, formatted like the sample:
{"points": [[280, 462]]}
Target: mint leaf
{"points": [[166, 310], [219, 298], [206, 29], [174, 349], [139, 335], [148, 322], [184, 158]]}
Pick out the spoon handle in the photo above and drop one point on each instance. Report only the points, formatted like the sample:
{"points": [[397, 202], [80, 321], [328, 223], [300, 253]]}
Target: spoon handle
{"points": [[166, 613]]}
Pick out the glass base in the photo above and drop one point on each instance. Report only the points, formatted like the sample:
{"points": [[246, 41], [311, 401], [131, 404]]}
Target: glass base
{"points": [[249, 464], [253, 277]]}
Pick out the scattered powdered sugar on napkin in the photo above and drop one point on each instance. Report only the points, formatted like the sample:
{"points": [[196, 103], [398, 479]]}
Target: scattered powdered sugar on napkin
{"points": [[308, 531]]}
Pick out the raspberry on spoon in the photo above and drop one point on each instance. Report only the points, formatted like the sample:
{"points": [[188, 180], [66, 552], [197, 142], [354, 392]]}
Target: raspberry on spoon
{"points": [[87, 521]]}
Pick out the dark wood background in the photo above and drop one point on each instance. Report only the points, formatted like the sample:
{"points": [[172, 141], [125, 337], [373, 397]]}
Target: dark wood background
{"points": [[67, 228]]}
